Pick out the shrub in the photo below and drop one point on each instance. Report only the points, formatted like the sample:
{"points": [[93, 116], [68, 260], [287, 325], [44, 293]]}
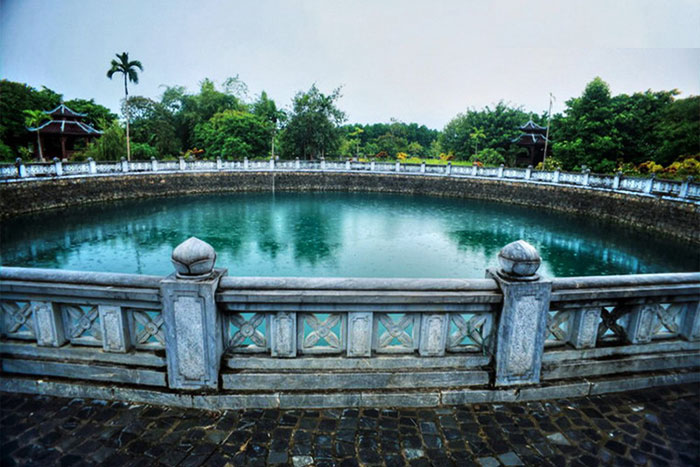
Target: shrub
{"points": [[550, 163], [402, 156], [488, 156], [382, 155], [650, 167]]}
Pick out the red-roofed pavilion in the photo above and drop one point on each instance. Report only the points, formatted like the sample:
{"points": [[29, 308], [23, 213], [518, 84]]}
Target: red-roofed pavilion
{"points": [[63, 130]]}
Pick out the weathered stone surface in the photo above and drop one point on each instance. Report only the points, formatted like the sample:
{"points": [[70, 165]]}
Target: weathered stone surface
{"points": [[193, 258]]}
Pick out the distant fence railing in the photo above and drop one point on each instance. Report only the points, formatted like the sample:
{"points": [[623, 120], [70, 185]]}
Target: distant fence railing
{"points": [[686, 190], [200, 330]]}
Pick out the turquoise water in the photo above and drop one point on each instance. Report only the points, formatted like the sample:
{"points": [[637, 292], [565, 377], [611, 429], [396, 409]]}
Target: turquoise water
{"points": [[332, 234]]}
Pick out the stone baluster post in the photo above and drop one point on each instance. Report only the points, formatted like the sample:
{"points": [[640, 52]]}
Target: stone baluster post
{"points": [[219, 163], [323, 163], [522, 325], [48, 324], [193, 326], [58, 165], [448, 169], [528, 172], [347, 164], [398, 166], [500, 171], [616, 181], [475, 168], [649, 187], [92, 166], [245, 163], [586, 176], [297, 164], [124, 164], [685, 186], [21, 169], [557, 176], [422, 167], [272, 164], [182, 163], [371, 166]]}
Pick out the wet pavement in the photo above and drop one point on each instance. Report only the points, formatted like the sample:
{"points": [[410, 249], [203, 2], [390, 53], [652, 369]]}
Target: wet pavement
{"points": [[650, 427]]}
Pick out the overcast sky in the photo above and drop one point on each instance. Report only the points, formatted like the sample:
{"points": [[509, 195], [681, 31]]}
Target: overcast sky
{"points": [[414, 61]]}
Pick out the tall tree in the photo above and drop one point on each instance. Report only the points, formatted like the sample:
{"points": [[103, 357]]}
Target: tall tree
{"points": [[34, 118], [312, 130], [128, 68]]}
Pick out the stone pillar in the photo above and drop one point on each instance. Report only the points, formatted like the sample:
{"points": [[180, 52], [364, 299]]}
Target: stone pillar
{"points": [[557, 176], [639, 325], [398, 166], [323, 163], [690, 325], [154, 164], [360, 334], [584, 327], [283, 333], [448, 169], [474, 169], [193, 326], [371, 166], [522, 325], [58, 165], [125, 164], [422, 167], [616, 181], [650, 184], [245, 163], [500, 171], [297, 164], [685, 186], [433, 334], [219, 163], [528, 172], [586, 175], [92, 166], [182, 163], [115, 329], [48, 324], [21, 169], [272, 163], [347, 164]]}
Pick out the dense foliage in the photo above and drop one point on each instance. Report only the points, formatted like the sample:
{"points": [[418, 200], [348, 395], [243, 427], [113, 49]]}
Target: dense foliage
{"points": [[645, 132]]}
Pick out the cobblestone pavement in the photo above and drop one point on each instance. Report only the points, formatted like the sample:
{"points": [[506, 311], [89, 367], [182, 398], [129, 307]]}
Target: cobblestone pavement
{"points": [[651, 427]]}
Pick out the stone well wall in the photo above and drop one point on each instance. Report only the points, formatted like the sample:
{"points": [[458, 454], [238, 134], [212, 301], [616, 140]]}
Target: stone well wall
{"points": [[677, 219]]}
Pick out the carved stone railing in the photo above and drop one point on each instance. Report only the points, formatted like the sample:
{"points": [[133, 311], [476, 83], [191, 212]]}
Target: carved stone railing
{"points": [[326, 341], [686, 190]]}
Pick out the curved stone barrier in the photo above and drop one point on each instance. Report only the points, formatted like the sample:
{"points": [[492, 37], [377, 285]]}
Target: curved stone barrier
{"points": [[201, 339], [662, 213]]}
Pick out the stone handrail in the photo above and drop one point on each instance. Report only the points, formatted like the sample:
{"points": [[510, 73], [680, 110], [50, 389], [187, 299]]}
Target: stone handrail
{"points": [[686, 190], [308, 341]]}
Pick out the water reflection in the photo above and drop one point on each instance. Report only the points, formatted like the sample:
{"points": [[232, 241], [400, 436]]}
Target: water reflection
{"points": [[331, 234]]}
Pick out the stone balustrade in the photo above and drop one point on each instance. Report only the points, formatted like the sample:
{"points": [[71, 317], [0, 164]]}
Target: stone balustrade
{"points": [[686, 190], [203, 338]]}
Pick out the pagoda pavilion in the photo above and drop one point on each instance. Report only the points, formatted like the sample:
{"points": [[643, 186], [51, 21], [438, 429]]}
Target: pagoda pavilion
{"points": [[533, 138], [61, 132]]}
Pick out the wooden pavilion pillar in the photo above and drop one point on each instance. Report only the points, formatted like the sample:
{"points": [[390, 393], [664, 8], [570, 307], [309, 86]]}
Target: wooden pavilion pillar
{"points": [[63, 147]]}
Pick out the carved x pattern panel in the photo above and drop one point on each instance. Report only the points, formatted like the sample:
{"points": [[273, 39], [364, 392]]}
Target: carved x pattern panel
{"points": [[558, 327], [668, 320], [396, 332], [147, 329], [82, 324], [321, 333], [611, 323], [246, 332], [17, 322], [469, 332]]}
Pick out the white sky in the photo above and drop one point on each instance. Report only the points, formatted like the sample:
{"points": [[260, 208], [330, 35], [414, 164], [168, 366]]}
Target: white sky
{"points": [[414, 61]]}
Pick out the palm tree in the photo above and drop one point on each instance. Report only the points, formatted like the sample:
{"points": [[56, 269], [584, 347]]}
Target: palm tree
{"points": [[128, 69], [33, 119], [475, 136]]}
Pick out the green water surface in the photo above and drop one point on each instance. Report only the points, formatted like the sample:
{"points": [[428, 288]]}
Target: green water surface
{"points": [[332, 234]]}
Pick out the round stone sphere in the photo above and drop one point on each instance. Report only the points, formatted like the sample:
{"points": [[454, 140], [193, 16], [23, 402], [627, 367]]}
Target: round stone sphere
{"points": [[194, 258], [519, 260]]}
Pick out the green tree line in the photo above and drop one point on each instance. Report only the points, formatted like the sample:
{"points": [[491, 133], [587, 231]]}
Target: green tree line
{"points": [[599, 130]]}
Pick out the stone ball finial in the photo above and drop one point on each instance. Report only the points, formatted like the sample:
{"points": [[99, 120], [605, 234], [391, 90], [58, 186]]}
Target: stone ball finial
{"points": [[194, 259], [519, 261]]}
